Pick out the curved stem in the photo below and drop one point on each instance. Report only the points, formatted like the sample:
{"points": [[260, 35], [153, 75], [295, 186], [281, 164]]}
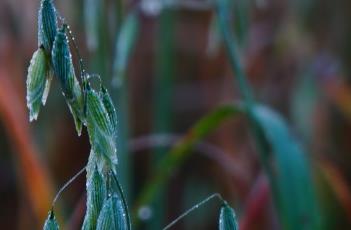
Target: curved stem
{"points": [[66, 185]]}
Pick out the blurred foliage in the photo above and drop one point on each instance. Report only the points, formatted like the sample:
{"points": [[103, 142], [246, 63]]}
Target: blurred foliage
{"points": [[295, 55]]}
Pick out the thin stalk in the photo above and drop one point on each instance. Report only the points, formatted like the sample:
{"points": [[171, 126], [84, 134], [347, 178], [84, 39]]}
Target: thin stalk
{"points": [[163, 100], [195, 207], [124, 169], [66, 185]]}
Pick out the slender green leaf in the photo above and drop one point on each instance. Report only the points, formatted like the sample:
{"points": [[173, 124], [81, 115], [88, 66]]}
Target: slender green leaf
{"points": [[125, 41], [91, 16], [96, 193], [163, 97], [38, 81], [292, 179], [100, 128], [289, 174], [98, 30], [182, 149], [50, 222], [47, 24], [227, 218], [124, 45], [64, 70]]}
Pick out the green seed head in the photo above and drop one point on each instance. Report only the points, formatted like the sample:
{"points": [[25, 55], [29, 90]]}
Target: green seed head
{"points": [[47, 24]]}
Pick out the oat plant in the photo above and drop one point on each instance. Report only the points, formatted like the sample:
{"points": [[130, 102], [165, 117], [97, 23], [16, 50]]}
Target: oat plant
{"points": [[106, 206]]}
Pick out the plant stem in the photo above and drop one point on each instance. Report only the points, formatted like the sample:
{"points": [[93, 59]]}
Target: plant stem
{"points": [[67, 184], [198, 205]]}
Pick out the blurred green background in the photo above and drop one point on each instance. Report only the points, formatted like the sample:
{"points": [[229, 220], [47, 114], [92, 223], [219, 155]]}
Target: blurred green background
{"points": [[165, 65]]}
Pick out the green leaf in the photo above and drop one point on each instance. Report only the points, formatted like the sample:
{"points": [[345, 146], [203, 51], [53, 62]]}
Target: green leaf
{"points": [[177, 155], [124, 46], [47, 24], [100, 128], [64, 70], [291, 177], [92, 16], [38, 83], [96, 193], [227, 218], [50, 222]]}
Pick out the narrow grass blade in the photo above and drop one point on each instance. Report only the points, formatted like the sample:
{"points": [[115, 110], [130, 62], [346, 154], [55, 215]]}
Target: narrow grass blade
{"points": [[125, 42], [37, 78], [290, 174], [91, 14], [97, 33], [182, 150], [241, 19], [47, 25], [124, 46], [227, 218], [292, 181], [96, 193], [163, 95], [50, 222]]}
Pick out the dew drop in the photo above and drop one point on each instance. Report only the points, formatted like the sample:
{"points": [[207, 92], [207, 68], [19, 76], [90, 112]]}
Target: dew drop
{"points": [[145, 213]]}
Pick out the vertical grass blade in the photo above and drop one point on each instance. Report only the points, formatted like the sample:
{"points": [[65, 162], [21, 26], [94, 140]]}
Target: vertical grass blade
{"points": [[227, 218], [97, 31], [125, 42], [38, 79], [47, 25], [289, 174], [124, 46], [50, 222], [165, 73], [294, 187], [176, 156]]}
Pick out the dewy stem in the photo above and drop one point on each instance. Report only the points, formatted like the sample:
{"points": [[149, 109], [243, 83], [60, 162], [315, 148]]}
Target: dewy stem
{"points": [[198, 205]]}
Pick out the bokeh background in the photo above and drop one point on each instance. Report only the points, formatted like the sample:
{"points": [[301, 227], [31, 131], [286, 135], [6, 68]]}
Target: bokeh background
{"points": [[296, 53]]}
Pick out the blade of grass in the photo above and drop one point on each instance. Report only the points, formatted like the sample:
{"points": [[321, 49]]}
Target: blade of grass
{"points": [[125, 43], [96, 26], [182, 150], [212, 152], [289, 175], [165, 72]]}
